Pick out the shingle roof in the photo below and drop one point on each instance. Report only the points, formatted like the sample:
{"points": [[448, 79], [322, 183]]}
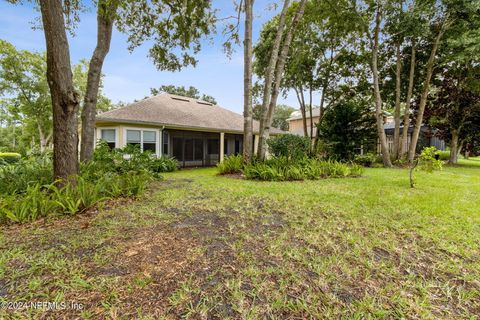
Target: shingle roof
{"points": [[180, 112]]}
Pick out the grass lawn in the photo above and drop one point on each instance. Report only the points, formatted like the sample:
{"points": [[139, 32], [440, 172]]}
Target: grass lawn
{"points": [[202, 246]]}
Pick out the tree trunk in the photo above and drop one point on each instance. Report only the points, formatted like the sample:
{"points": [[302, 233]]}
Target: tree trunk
{"points": [[310, 112], [423, 98], [376, 89], [282, 59], [41, 136], [301, 102], [105, 19], [406, 116], [247, 84], [269, 78], [454, 147], [396, 132], [65, 99]]}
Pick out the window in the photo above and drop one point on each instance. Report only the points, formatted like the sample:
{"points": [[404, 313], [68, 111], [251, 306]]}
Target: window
{"points": [[237, 146], [165, 142], [198, 150], [149, 141], [108, 135], [177, 148], [212, 146], [188, 149], [146, 140]]}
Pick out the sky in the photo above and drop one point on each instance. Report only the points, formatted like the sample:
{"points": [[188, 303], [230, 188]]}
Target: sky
{"points": [[130, 75]]}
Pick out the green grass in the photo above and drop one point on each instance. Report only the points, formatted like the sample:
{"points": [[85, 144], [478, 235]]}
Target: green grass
{"points": [[199, 245]]}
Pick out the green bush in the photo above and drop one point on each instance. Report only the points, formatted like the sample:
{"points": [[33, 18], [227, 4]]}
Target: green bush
{"points": [[9, 157], [282, 169], [444, 155], [366, 160], [231, 164], [29, 192], [15, 178], [290, 146]]}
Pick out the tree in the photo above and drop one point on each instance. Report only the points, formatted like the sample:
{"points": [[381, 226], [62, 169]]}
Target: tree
{"points": [[175, 27], [281, 114], [27, 96], [275, 70], [247, 84], [22, 79], [348, 126], [191, 92]]}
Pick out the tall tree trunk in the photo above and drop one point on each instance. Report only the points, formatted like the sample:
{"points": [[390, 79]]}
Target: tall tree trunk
{"points": [[269, 78], [247, 84], [454, 147], [301, 102], [310, 110], [424, 97], [280, 67], [41, 136], [406, 115], [376, 89], [396, 132], [65, 99], [105, 19]]}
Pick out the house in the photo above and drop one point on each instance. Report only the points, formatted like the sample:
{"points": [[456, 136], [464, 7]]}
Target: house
{"points": [[427, 137], [195, 132], [427, 134]]}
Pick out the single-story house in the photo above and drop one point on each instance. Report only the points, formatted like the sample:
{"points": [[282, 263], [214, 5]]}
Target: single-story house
{"points": [[195, 132], [427, 137]]}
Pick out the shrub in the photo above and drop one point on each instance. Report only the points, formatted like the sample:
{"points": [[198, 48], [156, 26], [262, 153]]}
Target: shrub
{"points": [[444, 155], [163, 164], [231, 164], [15, 178], [9, 157], [366, 160], [289, 146], [280, 169]]}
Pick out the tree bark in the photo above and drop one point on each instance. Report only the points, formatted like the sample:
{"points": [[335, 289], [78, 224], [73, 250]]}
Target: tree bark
{"points": [[406, 115], [105, 19], [396, 132], [269, 78], [41, 136], [454, 148], [280, 66], [65, 99], [310, 112], [301, 102], [247, 84], [424, 97], [376, 90]]}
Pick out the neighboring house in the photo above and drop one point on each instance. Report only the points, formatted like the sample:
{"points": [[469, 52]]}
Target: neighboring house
{"points": [[427, 137], [427, 134], [195, 132], [295, 122]]}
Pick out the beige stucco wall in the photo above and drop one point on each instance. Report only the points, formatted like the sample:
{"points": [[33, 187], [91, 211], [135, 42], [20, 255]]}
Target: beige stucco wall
{"points": [[296, 126]]}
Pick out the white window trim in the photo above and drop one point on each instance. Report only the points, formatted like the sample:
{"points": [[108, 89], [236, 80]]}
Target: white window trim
{"points": [[157, 150], [99, 135]]}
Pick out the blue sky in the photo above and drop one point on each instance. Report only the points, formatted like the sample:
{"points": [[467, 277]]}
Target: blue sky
{"points": [[130, 76]]}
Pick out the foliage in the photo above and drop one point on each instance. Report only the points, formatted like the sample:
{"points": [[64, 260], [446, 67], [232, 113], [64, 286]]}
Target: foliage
{"points": [[427, 161], [366, 160], [28, 191], [191, 92], [25, 102], [443, 155], [289, 146], [284, 169], [9, 157], [280, 115], [348, 126], [231, 164]]}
